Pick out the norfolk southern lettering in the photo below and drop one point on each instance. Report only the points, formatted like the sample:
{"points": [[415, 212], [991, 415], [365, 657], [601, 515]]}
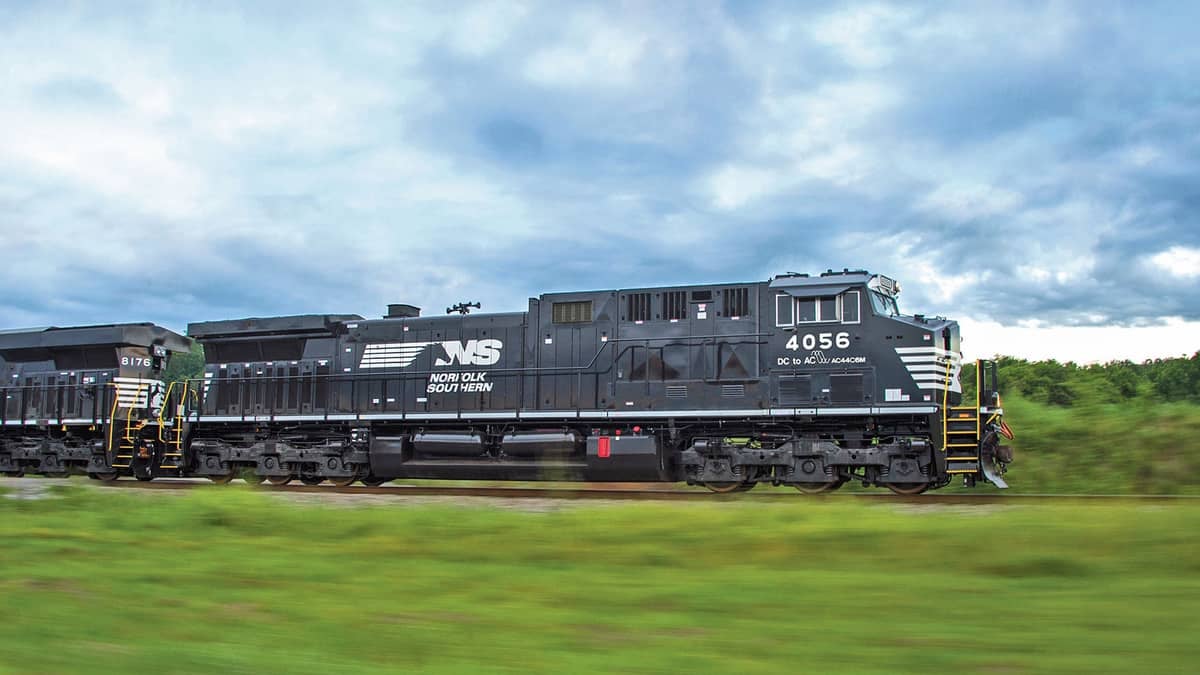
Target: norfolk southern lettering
{"points": [[453, 383]]}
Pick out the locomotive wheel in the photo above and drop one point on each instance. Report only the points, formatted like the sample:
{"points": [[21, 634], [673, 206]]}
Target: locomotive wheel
{"points": [[14, 474], [746, 483], [106, 476], [907, 488], [342, 481], [818, 488], [222, 480], [144, 477], [724, 487], [312, 480], [372, 481], [251, 478], [279, 480]]}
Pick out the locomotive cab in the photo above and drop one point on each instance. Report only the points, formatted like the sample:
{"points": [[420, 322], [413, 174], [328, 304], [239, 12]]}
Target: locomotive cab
{"points": [[888, 383], [844, 341]]}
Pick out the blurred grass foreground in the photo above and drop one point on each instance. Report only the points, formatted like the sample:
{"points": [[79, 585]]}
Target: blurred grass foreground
{"points": [[234, 581]]}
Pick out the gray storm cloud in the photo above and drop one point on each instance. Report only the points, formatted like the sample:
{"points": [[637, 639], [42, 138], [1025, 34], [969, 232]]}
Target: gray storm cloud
{"points": [[1009, 162]]}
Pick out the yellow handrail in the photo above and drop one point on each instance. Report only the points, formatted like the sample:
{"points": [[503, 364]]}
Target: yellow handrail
{"points": [[180, 412], [978, 392], [946, 405], [112, 415], [166, 402]]}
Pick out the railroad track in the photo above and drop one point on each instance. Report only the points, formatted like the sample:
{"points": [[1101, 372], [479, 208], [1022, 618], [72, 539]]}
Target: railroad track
{"points": [[637, 493]]}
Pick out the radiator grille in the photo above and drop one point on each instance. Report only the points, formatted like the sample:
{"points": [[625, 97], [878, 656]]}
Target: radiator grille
{"points": [[637, 307], [737, 301], [677, 391], [674, 305]]}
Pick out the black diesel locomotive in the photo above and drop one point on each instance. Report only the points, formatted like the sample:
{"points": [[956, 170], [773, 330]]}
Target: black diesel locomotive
{"points": [[802, 381]]}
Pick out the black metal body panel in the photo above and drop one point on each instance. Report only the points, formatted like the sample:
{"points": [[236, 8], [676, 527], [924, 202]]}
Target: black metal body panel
{"points": [[621, 358], [71, 375], [531, 394], [625, 458], [24, 345], [303, 324]]}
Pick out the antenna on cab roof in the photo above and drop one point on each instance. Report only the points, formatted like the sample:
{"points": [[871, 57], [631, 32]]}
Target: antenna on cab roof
{"points": [[463, 307]]}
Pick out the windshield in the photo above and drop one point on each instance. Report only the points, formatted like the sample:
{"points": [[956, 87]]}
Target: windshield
{"points": [[884, 305]]}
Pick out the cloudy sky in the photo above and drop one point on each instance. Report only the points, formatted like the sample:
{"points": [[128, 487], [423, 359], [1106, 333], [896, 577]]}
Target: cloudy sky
{"points": [[1032, 169]]}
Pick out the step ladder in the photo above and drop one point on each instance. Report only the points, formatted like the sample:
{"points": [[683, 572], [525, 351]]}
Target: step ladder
{"points": [[961, 427], [124, 457]]}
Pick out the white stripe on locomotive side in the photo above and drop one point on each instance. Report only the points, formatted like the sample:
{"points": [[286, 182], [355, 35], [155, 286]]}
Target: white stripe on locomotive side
{"points": [[926, 350], [578, 414], [928, 367], [391, 354], [134, 392]]}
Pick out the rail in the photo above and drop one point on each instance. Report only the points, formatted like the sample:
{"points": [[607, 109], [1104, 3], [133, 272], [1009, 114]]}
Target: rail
{"points": [[653, 491]]}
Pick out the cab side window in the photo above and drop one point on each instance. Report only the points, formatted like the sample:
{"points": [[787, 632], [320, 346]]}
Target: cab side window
{"points": [[849, 301], [817, 310], [790, 311], [784, 310]]}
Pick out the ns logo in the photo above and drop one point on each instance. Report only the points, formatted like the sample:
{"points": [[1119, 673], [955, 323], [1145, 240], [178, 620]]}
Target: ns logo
{"points": [[403, 354], [473, 353]]}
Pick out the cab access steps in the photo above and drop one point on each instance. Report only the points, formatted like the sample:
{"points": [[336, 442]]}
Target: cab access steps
{"points": [[969, 432], [960, 428], [127, 443]]}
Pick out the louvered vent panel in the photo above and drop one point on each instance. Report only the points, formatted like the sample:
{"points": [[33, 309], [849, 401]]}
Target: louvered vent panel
{"points": [[572, 312], [795, 390], [846, 388]]}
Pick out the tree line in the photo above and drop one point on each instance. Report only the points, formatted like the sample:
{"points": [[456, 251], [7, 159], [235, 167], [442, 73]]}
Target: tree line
{"points": [[1067, 384]]}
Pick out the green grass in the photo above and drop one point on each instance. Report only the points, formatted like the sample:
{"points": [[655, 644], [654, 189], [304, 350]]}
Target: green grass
{"points": [[239, 582]]}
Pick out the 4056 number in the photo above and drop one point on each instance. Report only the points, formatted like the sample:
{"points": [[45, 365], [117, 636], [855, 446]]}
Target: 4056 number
{"points": [[812, 341]]}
